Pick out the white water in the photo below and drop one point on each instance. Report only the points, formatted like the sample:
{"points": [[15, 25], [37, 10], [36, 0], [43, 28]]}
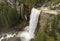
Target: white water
{"points": [[28, 34], [6, 36]]}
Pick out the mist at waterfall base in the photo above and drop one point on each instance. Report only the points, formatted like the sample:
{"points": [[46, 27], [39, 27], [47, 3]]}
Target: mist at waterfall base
{"points": [[29, 31]]}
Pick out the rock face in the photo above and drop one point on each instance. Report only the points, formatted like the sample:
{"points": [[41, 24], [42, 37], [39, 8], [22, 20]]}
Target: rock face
{"points": [[50, 21], [12, 39], [45, 19]]}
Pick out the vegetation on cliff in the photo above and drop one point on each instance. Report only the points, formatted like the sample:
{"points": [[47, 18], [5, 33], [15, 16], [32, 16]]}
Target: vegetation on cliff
{"points": [[12, 15]]}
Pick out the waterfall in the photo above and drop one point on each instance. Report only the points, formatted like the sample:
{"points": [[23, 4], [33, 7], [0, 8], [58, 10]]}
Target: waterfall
{"points": [[29, 31], [28, 34]]}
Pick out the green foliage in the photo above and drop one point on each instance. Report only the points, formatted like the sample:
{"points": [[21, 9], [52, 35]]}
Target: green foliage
{"points": [[50, 39], [58, 16], [41, 36], [12, 16], [58, 38], [56, 1], [8, 16], [30, 2]]}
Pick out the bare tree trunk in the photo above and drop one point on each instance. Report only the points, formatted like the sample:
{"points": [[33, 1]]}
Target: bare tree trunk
{"points": [[22, 10]]}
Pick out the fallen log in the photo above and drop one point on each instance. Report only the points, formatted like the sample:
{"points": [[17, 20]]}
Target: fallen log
{"points": [[46, 10], [50, 11]]}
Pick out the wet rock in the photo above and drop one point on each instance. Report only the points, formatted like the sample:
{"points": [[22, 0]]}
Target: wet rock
{"points": [[12, 39]]}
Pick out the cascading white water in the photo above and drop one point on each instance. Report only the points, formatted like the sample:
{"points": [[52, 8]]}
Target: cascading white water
{"points": [[28, 34], [6, 36]]}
